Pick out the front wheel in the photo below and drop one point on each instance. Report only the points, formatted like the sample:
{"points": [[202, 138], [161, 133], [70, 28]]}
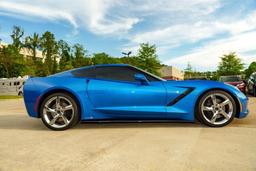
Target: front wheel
{"points": [[59, 111], [216, 108]]}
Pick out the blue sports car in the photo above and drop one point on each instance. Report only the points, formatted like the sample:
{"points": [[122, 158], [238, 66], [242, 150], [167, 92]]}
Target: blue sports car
{"points": [[120, 92]]}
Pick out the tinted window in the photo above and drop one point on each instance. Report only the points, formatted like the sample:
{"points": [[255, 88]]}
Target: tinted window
{"points": [[120, 74], [84, 72]]}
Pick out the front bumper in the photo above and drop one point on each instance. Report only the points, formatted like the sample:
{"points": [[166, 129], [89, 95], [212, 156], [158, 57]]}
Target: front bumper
{"points": [[243, 107]]}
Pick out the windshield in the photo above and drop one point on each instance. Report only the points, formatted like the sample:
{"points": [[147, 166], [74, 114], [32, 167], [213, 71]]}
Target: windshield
{"points": [[230, 78]]}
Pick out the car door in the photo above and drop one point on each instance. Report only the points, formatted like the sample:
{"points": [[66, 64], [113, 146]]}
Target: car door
{"points": [[115, 94]]}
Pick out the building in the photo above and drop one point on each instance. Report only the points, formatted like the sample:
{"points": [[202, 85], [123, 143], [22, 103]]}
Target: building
{"points": [[171, 73]]}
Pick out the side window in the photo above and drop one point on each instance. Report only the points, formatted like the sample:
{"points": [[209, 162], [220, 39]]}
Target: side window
{"points": [[120, 73], [84, 72], [115, 73]]}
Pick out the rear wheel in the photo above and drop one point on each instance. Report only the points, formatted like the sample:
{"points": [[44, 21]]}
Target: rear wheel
{"points": [[216, 109], [59, 111]]}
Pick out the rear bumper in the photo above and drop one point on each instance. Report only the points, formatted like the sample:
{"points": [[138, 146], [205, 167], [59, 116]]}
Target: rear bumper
{"points": [[30, 98]]}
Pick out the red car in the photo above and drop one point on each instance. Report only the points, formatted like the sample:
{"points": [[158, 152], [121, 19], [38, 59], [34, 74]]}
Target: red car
{"points": [[236, 81]]}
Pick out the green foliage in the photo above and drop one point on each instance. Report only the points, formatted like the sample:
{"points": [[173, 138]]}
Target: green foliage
{"points": [[50, 50], [32, 44], [80, 58], [42, 69], [16, 35], [11, 61], [2, 71], [250, 69], [230, 65], [66, 56], [103, 58], [147, 58], [188, 71], [133, 60]]}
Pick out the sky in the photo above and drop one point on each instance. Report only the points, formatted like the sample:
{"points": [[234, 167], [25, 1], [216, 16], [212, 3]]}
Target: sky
{"points": [[198, 32]]}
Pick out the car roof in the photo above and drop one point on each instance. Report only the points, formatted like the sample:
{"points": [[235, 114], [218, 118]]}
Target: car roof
{"points": [[86, 67]]}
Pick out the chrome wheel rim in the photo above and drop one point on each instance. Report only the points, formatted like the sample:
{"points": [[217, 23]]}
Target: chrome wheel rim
{"points": [[217, 109], [58, 112]]}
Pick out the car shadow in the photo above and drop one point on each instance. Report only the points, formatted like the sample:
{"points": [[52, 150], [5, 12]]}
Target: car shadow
{"points": [[22, 122], [113, 125]]}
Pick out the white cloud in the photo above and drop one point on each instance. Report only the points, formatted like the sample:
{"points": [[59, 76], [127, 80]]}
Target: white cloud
{"points": [[89, 14], [11, 8], [166, 23], [208, 56], [175, 35], [105, 16]]}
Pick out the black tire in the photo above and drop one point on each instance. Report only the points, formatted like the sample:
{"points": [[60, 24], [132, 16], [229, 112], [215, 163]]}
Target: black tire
{"points": [[199, 113], [76, 115]]}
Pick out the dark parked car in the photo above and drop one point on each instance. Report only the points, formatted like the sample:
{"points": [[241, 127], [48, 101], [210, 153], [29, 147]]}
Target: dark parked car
{"points": [[251, 85], [236, 81]]}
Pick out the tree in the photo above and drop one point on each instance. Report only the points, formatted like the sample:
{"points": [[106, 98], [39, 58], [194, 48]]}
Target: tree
{"points": [[103, 58], [16, 35], [50, 49], [10, 61], [188, 71], [250, 69], [33, 44], [230, 65], [147, 58], [79, 56], [131, 60], [65, 56]]}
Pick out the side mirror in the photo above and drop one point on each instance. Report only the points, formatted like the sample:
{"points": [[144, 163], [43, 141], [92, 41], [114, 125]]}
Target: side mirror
{"points": [[141, 78]]}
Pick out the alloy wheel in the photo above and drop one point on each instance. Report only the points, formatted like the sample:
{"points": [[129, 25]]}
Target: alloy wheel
{"points": [[217, 109], [58, 112]]}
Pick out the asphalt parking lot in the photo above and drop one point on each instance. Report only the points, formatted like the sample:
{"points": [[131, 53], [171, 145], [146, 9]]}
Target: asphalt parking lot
{"points": [[26, 144]]}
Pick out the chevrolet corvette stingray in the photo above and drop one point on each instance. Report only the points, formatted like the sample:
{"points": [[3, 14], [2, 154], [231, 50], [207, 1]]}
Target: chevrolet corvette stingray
{"points": [[119, 92]]}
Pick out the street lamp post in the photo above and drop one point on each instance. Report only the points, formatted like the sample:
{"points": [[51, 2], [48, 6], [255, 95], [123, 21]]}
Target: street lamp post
{"points": [[127, 54]]}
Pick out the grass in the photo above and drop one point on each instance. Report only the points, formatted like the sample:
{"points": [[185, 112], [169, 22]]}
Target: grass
{"points": [[4, 97]]}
